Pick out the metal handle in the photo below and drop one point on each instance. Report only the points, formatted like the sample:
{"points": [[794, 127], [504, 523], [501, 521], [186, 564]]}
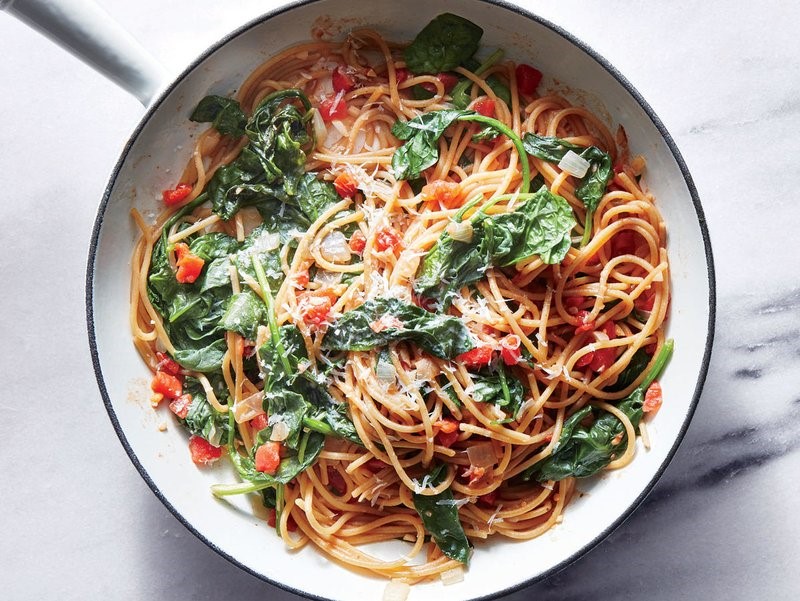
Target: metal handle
{"points": [[90, 33]]}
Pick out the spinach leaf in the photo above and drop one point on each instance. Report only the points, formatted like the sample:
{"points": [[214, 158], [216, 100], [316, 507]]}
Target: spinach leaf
{"points": [[540, 226], [440, 517], [315, 196], [264, 246], [422, 134], [203, 356], [223, 113], [637, 365], [583, 451], [202, 419], [443, 44], [500, 389], [460, 93], [244, 314], [283, 405], [440, 335], [591, 186]]}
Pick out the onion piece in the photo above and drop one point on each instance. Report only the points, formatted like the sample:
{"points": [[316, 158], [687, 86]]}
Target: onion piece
{"points": [[574, 164], [320, 129], [396, 590], [385, 372], [280, 432], [248, 408], [426, 369], [334, 248], [453, 576], [461, 232], [481, 454], [327, 278]]}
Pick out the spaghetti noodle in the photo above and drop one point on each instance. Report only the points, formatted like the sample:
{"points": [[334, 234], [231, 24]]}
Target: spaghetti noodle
{"points": [[409, 435]]}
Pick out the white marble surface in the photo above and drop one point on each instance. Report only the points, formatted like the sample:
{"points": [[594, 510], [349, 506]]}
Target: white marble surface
{"points": [[79, 523]]}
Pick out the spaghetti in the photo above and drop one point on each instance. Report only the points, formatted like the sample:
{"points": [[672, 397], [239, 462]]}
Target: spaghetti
{"points": [[408, 436]]}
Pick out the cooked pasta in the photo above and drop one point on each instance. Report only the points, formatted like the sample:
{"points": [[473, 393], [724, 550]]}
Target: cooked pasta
{"points": [[403, 301]]}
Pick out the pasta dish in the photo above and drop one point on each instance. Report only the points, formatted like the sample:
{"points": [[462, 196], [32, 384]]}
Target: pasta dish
{"points": [[408, 294]]}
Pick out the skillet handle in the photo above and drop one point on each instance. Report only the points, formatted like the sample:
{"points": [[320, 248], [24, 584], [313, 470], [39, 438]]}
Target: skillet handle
{"points": [[91, 34]]}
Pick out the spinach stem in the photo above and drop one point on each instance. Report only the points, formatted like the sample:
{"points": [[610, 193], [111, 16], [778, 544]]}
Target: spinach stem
{"points": [[278, 507], [490, 61], [226, 490], [318, 426], [504, 385], [587, 227], [658, 366], [515, 139], [266, 296], [184, 210]]}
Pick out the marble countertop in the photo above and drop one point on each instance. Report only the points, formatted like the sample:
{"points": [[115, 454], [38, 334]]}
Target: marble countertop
{"points": [[79, 523]]}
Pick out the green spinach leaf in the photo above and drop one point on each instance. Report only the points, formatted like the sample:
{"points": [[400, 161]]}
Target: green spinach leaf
{"points": [[202, 419], [223, 113], [440, 335], [439, 515], [443, 44]]}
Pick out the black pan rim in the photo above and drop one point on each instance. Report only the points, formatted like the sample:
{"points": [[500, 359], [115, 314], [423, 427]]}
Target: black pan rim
{"points": [[95, 237]]}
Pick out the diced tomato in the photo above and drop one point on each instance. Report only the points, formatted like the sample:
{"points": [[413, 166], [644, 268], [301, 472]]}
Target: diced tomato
{"points": [[315, 307], [268, 457], [474, 474], [342, 79], [447, 194], [484, 106], [488, 500], [653, 398], [358, 242], [477, 357], [573, 302], [610, 328], [401, 75], [387, 238], [603, 359], [528, 78], [189, 265], [650, 349], [301, 279], [333, 108], [447, 425], [646, 301], [272, 520], [176, 195], [449, 81], [624, 243], [168, 385], [167, 364], [180, 406], [203, 452], [259, 422], [375, 465], [345, 185], [585, 325], [448, 432], [585, 359], [510, 350], [336, 481]]}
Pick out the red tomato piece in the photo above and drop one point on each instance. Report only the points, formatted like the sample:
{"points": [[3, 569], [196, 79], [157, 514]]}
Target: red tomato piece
{"points": [[268, 457], [477, 357], [203, 452], [446, 439], [301, 279], [387, 238], [167, 364], [168, 385], [272, 520], [358, 242], [447, 194], [315, 307], [488, 500], [584, 324], [603, 359], [573, 302], [189, 265], [646, 301], [336, 481], [333, 108], [448, 80], [510, 350], [342, 79], [259, 422], [180, 406], [375, 465], [401, 75], [176, 195], [474, 474], [585, 360], [484, 106], [345, 185], [653, 398], [528, 78], [624, 243]]}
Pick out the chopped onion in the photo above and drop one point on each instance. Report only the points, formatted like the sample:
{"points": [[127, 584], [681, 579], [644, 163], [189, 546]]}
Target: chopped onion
{"points": [[426, 369], [453, 576], [266, 242], [396, 590], [280, 432], [574, 164], [320, 129], [481, 454], [327, 278], [461, 232], [334, 248], [248, 408], [385, 372]]}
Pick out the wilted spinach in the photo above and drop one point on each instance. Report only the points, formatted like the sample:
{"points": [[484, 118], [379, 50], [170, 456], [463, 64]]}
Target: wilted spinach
{"points": [[500, 389], [540, 226], [440, 335], [592, 186], [439, 515], [202, 419], [582, 451], [443, 44], [224, 114]]}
